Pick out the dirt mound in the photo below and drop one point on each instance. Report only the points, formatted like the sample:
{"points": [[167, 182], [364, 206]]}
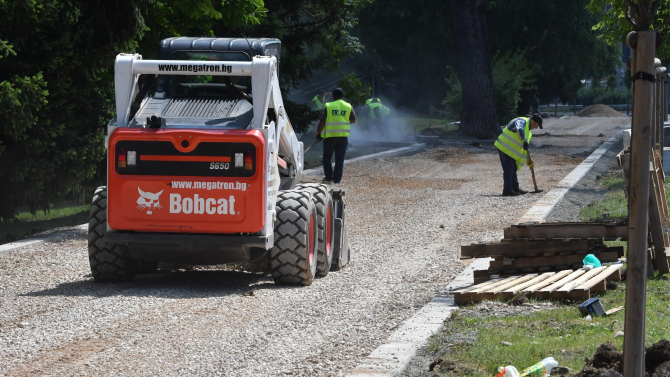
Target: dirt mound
{"points": [[607, 361], [434, 131], [600, 111]]}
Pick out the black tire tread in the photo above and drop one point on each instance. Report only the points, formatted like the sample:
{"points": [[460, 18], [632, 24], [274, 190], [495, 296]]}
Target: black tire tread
{"points": [[289, 257], [107, 263], [321, 195]]}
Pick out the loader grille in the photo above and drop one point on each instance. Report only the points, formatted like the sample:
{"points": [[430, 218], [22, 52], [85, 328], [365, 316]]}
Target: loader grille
{"points": [[200, 107]]}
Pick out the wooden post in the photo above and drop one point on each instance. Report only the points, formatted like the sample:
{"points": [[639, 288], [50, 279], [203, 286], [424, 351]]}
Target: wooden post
{"points": [[636, 282]]}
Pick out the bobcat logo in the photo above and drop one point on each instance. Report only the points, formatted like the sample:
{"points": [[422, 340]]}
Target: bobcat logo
{"points": [[148, 201]]}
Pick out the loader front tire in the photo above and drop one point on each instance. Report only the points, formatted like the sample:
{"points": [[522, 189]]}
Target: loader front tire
{"points": [[294, 254], [108, 263], [325, 216]]}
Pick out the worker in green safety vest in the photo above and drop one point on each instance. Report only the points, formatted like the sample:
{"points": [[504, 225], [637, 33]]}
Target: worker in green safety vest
{"points": [[376, 112], [334, 128], [512, 147], [319, 102]]}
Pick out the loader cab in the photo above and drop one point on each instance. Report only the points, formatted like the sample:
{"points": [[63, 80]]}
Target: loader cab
{"points": [[212, 49], [200, 101]]}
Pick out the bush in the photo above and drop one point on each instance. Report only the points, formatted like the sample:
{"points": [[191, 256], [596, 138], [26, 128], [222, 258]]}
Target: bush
{"points": [[510, 75], [585, 96]]}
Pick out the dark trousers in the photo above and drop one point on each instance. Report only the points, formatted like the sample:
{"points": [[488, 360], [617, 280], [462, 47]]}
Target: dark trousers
{"points": [[337, 145], [509, 172]]}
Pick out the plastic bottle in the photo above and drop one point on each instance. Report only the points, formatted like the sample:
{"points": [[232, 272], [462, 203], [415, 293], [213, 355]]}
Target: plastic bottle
{"points": [[508, 371], [541, 369]]}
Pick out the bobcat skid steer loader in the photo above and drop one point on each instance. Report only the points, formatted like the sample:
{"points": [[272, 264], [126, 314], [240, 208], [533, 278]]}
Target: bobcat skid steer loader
{"points": [[206, 170]]}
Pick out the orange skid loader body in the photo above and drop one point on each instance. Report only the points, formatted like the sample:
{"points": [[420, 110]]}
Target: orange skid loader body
{"points": [[186, 181]]}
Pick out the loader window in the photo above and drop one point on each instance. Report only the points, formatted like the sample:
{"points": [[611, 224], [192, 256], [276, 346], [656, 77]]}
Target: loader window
{"points": [[205, 85]]}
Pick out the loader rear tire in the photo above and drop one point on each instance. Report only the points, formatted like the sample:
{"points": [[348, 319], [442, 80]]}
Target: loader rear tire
{"points": [[294, 254], [108, 263], [325, 216]]}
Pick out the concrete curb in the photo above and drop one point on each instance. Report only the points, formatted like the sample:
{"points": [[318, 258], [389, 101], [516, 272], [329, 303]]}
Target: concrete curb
{"points": [[540, 210], [390, 153], [391, 358], [50, 237]]}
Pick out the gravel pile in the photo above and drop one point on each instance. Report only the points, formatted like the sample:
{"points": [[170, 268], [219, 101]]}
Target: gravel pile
{"points": [[408, 217], [600, 111]]}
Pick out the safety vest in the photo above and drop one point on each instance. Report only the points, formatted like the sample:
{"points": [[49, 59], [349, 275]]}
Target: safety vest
{"points": [[383, 110], [511, 144], [369, 100], [337, 120], [319, 103]]}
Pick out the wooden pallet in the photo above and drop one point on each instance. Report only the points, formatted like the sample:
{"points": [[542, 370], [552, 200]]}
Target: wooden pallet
{"points": [[525, 248], [584, 230], [564, 285]]}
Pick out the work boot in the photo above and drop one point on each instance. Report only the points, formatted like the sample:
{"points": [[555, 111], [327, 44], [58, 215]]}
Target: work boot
{"points": [[520, 191], [507, 192], [327, 180]]}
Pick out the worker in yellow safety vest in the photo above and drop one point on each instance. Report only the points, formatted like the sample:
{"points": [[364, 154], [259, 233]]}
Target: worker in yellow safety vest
{"points": [[333, 129], [512, 147], [319, 102], [376, 113]]}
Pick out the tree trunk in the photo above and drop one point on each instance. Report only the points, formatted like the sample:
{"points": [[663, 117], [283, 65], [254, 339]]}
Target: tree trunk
{"points": [[475, 72]]}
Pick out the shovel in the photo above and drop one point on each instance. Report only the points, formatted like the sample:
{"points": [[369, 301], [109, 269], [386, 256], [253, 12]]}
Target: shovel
{"points": [[532, 172]]}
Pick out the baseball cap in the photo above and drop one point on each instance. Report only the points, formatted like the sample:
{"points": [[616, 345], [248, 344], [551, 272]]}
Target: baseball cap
{"points": [[537, 118]]}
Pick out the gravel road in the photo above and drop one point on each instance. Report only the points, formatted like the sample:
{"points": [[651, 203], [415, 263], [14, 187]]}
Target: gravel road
{"points": [[408, 216]]}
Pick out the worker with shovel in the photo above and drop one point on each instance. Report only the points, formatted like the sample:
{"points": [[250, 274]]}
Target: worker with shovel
{"points": [[512, 147], [334, 129]]}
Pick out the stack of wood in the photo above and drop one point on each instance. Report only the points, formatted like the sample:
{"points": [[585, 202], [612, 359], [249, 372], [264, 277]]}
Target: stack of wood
{"points": [[659, 218], [544, 247]]}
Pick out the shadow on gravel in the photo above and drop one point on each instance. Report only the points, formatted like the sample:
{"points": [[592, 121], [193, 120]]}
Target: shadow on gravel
{"points": [[168, 284]]}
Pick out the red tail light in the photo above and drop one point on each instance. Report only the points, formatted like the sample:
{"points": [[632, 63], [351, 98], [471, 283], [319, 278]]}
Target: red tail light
{"points": [[248, 161], [121, 161]]}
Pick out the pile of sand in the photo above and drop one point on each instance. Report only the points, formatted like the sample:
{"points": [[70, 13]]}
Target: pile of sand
{"points": [[600, 111]]}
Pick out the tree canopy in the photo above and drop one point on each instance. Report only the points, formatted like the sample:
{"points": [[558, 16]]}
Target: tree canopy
{"points": [[615, 22]]}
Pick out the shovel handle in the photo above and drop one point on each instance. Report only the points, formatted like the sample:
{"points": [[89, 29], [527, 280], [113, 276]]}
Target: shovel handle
{"points": [[310, 147], [532, 171]]}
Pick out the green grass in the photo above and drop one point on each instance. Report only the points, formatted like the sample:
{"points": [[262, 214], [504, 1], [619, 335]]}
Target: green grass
{"points": [[615, 203], [27, 224], [545, 333]]}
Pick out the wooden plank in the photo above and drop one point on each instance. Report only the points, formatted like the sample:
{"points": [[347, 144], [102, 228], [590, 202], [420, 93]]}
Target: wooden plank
{"points": [[529, 283], [559, 260], [499, 283], [477, 286], [523, 248], [558, 276], [568, 230], [512, 283], [574, 275], [657, 221], [577, 282], [613, 310], [599, 279]]}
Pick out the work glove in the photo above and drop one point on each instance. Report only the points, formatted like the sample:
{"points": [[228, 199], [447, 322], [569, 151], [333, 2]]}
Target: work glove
{"points": [[531, 164], [319, 137], [525, 145]]}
